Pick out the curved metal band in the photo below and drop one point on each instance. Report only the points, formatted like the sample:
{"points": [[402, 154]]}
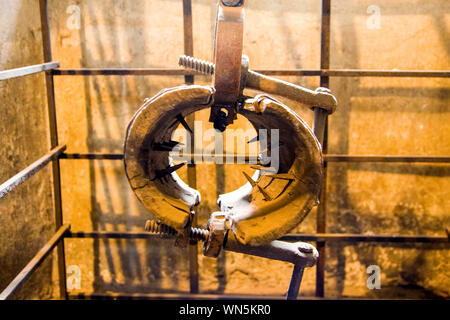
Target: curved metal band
{"points": [[267, 207], [228, 53]]}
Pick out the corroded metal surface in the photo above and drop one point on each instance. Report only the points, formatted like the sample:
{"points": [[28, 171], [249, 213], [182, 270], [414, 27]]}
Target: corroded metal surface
{"points": [[228, 53], [227, 57]]}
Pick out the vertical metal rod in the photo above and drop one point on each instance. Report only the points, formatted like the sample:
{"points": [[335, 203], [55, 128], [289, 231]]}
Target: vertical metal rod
{"points": [[43, 7], [191, 170], [320, 128], [296, 280]]}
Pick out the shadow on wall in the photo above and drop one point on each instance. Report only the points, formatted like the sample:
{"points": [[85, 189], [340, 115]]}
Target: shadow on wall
{"points": [[26, 214], [406, 268], [137, 273]]}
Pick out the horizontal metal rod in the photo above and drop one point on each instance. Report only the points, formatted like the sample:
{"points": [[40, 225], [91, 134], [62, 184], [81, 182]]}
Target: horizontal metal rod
{"points": [[169, 296], [386, 73], [123, 72], [331, 237], [327, 158], [189, 296], [117, 235], [92, 156], [29, 171], [337, 237], [385, 158], [24, 71], [290, 72], [26, 272]]}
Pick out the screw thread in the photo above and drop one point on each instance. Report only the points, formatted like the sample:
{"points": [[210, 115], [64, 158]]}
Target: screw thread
{"points": [[198, 65], [153, 226], [196, 234]]}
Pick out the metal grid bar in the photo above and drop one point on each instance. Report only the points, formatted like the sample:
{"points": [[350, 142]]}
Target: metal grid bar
{"points": [[25, 71], [354, 238], [327, 158], [386, 159], [92, 156], [191, 169], [34, 263], [169, 296], [325, 237], [268, 72], [47, 51], [321, 131], [187, 296], [29, 171]]}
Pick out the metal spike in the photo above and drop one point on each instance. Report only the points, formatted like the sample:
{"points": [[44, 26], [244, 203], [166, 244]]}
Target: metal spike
{"points": [[184, 123], [162, 173], [173, 144], [264, 193], [255, 139], [166, 146], [175, 168], [283, 176], [252, 182]]}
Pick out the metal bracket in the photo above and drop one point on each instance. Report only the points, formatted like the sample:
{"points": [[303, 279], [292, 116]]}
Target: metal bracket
{"points": [[228, 60]]}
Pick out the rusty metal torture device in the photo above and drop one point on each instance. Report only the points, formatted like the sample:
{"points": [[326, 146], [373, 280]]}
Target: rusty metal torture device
{"points": [[275, 199]]}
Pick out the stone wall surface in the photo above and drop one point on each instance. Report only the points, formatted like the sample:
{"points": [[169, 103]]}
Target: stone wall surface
{"points": [[26, 214]]}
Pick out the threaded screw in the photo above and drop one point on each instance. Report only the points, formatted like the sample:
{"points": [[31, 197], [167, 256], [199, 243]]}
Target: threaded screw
{"points": [[195, 234], [198, 234], [198, 65]]}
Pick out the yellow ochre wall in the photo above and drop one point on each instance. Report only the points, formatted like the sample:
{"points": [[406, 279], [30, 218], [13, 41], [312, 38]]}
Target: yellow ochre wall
{"points": [[379, 116]]}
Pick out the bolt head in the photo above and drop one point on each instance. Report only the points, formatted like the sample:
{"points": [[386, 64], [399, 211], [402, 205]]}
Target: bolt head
{"points": [[232, 3]]}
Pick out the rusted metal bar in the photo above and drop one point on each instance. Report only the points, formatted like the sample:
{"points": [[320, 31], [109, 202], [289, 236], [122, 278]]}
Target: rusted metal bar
{"points": [[320, 122], [323, 237], [47, 52], [25, 71], [317, 98], [29, 171], [123, 72], [26, 272], [92, 156], [386, 73], [320, 128], [169, 296], [267, 72], [358, 73], [117, 235], [296, 280], [356, 238], [373, 158], [191, 170], [246, 158]]}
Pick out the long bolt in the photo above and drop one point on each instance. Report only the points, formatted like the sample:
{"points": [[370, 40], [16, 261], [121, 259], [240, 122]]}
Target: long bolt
{"points": [[195, 234], [198, 65]]}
